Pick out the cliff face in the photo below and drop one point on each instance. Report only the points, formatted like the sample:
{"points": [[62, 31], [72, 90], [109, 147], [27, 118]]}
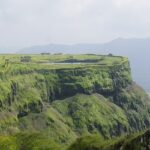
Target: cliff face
{"points": [[27, 89], [65, 102]]}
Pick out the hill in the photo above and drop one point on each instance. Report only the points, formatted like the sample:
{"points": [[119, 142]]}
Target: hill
{"points": [[63, 97]]}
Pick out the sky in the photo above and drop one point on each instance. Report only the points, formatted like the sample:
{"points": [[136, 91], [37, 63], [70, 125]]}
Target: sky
{"points": [[25, 23]]}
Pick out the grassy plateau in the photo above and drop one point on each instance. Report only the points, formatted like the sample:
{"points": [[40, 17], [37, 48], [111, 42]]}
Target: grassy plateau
{"points": [[71, 102]]}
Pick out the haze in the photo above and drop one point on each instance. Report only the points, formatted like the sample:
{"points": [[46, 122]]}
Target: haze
{"points": [[25, 23]]}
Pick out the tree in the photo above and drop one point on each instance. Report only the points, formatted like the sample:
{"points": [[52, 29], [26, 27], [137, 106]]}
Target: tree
{"points": [[110, 54], [25, 59]]}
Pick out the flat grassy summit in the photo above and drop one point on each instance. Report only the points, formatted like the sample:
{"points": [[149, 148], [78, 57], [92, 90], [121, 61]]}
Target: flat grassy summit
{"points": [[46, 58], [58, 61], [64, 97]]}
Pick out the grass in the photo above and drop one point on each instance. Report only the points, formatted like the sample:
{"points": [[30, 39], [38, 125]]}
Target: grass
{"points": [[65, 101], [102, 115], [40, 141], [27, 141], [137, 141]]}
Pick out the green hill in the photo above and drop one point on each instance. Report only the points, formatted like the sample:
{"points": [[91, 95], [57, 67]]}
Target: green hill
{"points": [[51, 100]]}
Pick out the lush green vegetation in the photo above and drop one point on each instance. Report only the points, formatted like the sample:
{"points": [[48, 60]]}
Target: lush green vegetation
{"points": [[62, 58], [27, 141], [40, 141], [59, 98], [138, 141]]}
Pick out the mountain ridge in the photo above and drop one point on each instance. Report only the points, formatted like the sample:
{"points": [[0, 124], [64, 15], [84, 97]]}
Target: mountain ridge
{"points": [[85, 47], [62, 101]]}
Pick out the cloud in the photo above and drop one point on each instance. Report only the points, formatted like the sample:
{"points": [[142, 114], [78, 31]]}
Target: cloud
{"points": [[31, 22]]}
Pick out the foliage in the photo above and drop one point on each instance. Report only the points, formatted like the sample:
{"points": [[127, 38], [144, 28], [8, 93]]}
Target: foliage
{"points": [[61, 101], [138, 141]]}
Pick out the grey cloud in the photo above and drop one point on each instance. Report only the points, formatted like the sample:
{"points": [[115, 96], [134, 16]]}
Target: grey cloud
{"points": [[30, 22]]}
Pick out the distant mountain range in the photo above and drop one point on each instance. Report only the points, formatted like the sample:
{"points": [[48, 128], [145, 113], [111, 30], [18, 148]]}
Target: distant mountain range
{"points": [[117, 46]]}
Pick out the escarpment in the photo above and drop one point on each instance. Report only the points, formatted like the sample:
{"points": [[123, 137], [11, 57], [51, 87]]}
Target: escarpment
{"points": [[65, 100], [27, 87]]}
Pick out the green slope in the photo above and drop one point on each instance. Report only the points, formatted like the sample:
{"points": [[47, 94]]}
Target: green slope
{"points": [[27, 141], [65, 120], [81, 115], [92, 114], [62, 102], [139, 141]]}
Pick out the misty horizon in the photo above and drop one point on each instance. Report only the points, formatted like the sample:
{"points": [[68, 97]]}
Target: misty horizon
{"points": [[15, 50]]}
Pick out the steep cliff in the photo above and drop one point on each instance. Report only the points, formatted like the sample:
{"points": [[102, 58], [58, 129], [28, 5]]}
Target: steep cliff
{"points": [[65, 101]]}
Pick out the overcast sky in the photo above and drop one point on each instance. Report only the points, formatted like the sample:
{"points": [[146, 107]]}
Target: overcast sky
{"points": [[34, 22]]}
